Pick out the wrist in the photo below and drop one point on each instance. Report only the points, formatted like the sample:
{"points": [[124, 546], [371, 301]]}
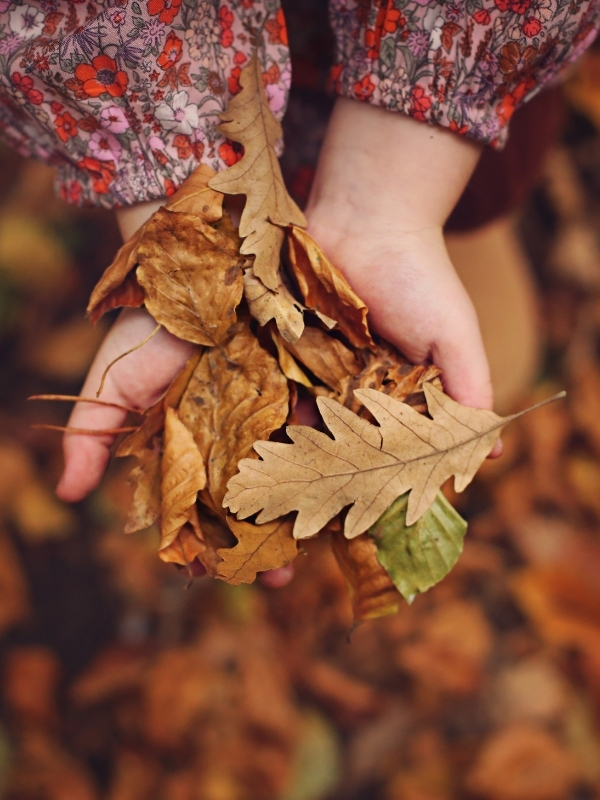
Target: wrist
{"points": [[388, 168], [131, 218]]}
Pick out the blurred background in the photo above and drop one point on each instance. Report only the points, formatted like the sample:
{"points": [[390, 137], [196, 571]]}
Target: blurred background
{"points": [[119, 681]]}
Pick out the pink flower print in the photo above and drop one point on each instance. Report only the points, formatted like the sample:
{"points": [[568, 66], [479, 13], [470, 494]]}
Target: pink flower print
{"points": [[117, 17], [113, 119], [4, 4], [104, 146]]}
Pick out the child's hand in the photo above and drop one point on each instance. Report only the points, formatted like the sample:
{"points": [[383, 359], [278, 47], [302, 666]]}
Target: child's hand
{"points": [[384, 187], [137, 381]]}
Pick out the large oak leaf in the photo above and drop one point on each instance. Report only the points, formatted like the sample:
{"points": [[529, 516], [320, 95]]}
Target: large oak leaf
{"points": [[269, 208], [192, 277], [365, 466]]}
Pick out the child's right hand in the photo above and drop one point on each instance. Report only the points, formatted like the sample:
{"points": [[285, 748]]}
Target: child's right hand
{"points": [[383, 190]]}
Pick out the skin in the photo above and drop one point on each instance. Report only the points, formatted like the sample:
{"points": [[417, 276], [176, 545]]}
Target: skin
{"points": [[384, 187]]}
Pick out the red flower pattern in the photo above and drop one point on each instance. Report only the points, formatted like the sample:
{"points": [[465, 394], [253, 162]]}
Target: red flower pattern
{"points": [[171, 52], [101, 76], [166, 10]]}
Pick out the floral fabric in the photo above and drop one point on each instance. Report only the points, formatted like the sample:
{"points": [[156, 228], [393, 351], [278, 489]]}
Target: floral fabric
{"points": [[463, 64], [124, 96]]}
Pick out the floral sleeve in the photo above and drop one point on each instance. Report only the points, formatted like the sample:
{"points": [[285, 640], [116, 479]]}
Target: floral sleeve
{"points": [[463, 64], [124, 96]]}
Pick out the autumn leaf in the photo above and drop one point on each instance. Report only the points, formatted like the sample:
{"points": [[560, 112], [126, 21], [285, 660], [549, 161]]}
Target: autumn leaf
{"points": [[188, 545], [145, 444], [278, 305], [372, 591], [194, 196], [269, 208], [216, 536], [237, 394], [259, 548], [183, 476], [191, 276], [364, 466], [325, 289], [418, 556], [326, 357], [287, 363]]}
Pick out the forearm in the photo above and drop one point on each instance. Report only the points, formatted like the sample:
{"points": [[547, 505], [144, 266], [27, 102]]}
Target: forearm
{"points": [[376, 152], [133, 217]]}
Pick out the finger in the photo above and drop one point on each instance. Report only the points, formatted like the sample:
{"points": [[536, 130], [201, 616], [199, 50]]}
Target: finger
{"points": [[137, 380], [277, 578], [466, 373]]}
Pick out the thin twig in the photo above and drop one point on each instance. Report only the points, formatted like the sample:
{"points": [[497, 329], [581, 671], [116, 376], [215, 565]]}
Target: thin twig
{"points": [[87, 431], [118, 358], [69, 398]]}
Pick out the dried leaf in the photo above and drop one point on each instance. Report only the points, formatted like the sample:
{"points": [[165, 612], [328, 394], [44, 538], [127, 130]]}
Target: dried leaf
{"points": [[188, 545], [364, 466], [278, 305], [288, 365], [237, 394], [216, 536], [249, 121], [183, 476], [259, 548], [371, 589], [325, 289], [418, 556], [191, 276], [193, 197], [326, 357], [145, 444]]}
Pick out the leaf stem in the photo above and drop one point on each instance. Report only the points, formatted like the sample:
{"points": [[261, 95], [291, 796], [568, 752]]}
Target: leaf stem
{"points": [[118, 358]]}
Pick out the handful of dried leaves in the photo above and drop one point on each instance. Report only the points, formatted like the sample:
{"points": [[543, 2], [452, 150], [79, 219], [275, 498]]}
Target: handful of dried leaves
{"points": [[267, 333]]}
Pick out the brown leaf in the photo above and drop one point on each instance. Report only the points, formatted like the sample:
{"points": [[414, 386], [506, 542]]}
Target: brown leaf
{"points": [[326, 357], [325, 289], [183, 476], [191, 276], [372, 591], [128, 294], [365, 466], [236, 395], [145, 444], [193, 197], [249, 121], [188, 545], [216, 535], [279, 305], [259, 548], [287, 363]]}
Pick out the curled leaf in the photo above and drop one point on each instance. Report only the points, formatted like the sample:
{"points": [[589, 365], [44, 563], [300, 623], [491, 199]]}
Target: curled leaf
{"points": [[266, 304], [372, 591], [249, 121], [183, 476], [326, 357], [325, 289]]}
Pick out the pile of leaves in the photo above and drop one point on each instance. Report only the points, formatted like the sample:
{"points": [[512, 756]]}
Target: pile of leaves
{"points": [[270, 336]]}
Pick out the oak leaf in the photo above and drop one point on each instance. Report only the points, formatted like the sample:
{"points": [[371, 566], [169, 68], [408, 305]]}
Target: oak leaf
{"points": [[183, 476], [259, 548], [364, 466], [191, 276], [325, 289], [237, 394], [279, 305], [249, 121], [372, 591], [418, 556], [194, 196]]}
